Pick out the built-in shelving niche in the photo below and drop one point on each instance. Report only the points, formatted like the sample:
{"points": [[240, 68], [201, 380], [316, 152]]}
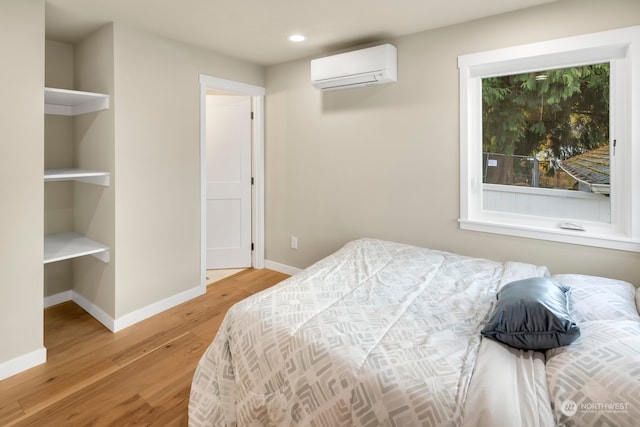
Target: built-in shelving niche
{"points": [[65, 102]]}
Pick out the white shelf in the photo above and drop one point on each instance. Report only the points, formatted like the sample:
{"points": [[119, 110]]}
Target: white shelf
{"points": [[65, 102], [81, 175], [58, 247]]}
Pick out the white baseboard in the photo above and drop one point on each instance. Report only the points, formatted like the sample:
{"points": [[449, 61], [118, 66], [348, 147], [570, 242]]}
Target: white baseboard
{"points": [[59, 298], [94, 310], [22, 363], [281, 268], [157, 307], [115, 325], [35, 358], [38, 357]]}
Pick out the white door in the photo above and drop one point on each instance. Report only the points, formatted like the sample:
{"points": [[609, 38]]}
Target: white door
{"points": [[228, 177]]}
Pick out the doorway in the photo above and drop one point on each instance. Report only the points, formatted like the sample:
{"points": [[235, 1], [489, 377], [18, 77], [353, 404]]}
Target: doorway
{"points": [[255, 96], [228, 180]]}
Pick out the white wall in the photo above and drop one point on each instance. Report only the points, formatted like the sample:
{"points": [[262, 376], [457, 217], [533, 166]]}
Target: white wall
{"points": [[383, 161], [21, 184]]}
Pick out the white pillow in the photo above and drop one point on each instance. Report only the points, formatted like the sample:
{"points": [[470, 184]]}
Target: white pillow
{"points": [[594, 381], [599, 298]]}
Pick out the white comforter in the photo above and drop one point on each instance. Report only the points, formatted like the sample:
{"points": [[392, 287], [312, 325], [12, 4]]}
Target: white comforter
{"points": [[595, 381], [378, 333]]}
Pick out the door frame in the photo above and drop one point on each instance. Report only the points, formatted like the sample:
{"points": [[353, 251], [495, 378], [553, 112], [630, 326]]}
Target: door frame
{"points": [[257, 167]]}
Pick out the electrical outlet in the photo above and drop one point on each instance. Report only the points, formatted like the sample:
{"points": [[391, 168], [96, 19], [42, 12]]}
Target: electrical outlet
{"points": [[294, 242]]}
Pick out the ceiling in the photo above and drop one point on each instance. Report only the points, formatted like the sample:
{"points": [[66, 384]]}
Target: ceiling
{"points": [[258, 30]]}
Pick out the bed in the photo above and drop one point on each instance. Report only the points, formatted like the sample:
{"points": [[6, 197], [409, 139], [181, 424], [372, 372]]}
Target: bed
{"points": [[387, 334]]}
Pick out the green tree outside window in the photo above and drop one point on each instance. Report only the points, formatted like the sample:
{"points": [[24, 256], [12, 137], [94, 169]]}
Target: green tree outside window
{"points": [[546, 115]]}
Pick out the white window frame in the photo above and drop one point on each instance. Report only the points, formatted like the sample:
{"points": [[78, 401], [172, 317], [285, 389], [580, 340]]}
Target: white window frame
{"points": [[619, 47]]}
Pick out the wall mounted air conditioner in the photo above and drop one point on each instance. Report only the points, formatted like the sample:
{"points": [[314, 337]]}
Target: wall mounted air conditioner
{"points": [[373, 65]]}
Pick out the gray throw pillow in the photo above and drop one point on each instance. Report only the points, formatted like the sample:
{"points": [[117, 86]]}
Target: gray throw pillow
{"points": [[532, 314]]}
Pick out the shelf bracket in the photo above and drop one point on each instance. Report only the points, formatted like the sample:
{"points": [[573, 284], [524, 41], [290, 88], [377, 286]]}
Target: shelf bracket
{"points": [[103, 256], [96, 180]]}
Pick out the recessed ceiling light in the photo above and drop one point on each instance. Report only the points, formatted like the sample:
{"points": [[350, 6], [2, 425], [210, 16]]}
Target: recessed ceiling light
{"points": [[297, 38]]}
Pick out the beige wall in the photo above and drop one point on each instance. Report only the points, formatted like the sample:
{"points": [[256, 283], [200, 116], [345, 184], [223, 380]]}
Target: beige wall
{"points": [[94, 148], [157, 162], [383, 161], [21, 177], [58, 153]]}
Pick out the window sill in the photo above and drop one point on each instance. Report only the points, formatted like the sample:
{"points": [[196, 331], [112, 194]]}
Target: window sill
{"points": [[576, 237]]}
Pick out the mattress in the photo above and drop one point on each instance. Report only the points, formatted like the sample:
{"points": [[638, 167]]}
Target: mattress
{"points": [[378, 333]]}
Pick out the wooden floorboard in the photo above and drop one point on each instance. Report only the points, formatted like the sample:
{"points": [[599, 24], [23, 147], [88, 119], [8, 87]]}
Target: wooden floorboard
{"points": [[138, 376]]}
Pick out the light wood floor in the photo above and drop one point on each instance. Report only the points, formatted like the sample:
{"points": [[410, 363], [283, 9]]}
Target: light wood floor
{"points": [[139, 376]]}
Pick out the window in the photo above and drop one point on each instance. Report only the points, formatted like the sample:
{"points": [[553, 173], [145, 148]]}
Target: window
{"points": [[548, 130], [549, 140]]}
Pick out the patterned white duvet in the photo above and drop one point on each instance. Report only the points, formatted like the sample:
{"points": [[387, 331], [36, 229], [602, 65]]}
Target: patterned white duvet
{"points": [[378, 333], [595, 381]]}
